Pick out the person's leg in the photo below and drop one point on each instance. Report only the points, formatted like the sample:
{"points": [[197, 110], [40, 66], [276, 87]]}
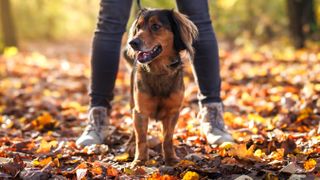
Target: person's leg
{"points": [[206, 60], [111, 25], [113, 17], [206, 70]]}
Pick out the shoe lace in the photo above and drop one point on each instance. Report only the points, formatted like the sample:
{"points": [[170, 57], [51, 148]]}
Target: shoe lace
{"points": [[96, 121], [211, 114]]}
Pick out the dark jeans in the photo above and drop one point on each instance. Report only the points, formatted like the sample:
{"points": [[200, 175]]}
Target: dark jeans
{"points": [[112, 22]]}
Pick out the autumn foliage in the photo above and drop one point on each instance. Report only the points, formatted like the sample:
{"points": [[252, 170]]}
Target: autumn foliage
{"points": [[272, 108]]}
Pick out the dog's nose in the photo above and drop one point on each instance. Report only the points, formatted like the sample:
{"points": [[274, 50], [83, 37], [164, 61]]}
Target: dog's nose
{"points": [[135, 44]]}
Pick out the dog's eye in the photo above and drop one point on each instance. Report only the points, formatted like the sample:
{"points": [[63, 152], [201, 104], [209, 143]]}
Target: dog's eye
{"points": [[155, 27], [138, 26]]}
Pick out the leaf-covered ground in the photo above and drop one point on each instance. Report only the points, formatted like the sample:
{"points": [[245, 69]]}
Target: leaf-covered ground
{"points": [[272, 105]]}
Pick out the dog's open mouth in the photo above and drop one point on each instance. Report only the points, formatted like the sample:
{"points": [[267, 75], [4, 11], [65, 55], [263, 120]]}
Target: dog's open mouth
{"points": [[146, 57]]}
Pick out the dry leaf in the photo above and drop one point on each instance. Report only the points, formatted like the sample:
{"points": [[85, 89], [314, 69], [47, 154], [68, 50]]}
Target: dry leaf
{"points": [[310, 164], [190, 175]]}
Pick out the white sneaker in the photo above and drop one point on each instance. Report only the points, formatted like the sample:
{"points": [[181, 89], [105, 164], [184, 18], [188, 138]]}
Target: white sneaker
{"points": [[96, 130], [212, 123]]}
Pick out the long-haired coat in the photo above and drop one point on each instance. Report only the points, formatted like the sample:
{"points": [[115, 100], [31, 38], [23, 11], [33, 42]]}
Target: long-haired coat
{"points": [[157, 38]]}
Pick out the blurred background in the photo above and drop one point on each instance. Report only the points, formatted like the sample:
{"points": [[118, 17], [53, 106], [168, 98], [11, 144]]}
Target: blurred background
{"points": [[237, 22], [270, 72]]}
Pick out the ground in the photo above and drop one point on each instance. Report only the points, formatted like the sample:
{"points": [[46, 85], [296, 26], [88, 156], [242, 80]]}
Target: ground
{"points": [[272, 108]]}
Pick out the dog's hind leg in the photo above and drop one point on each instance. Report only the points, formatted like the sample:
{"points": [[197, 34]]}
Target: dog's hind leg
{"points": [[167, 145], [140, 123]]}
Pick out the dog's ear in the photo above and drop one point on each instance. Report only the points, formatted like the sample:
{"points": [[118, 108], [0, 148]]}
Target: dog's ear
{"points": [[132, 32], [185, 32]]}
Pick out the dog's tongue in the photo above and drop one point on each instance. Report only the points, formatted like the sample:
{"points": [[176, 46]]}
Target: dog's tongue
{"points": [[143, 56]]}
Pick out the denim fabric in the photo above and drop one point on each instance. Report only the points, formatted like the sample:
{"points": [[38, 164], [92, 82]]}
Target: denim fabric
{"points": [[206, 61], [113, 17]]}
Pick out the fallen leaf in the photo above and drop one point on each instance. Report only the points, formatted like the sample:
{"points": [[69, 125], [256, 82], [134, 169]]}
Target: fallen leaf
{"points": [[310, 164], [190, 175], [43, 162], [111, 171], [46, 147], [122, 157]]}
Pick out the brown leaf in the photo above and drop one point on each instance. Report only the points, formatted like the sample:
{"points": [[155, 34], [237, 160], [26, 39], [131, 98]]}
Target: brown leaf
{"points": [[13, 167]]}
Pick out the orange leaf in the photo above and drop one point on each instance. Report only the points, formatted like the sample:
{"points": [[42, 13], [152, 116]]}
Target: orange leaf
{"points": [[82, 165], [46, 147], [97, 170], [157, 176], [111, 171], [43, 120], [310, 164]]}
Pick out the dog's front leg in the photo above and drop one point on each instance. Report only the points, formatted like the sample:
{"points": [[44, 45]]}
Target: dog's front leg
{"points": [[167, 146], [140, 123]]}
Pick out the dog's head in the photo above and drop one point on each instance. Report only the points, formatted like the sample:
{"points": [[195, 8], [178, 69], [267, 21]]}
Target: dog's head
{"points": [[160, 33]]}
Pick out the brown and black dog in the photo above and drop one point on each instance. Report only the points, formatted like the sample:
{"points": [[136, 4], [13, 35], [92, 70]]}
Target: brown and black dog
{"points": [[157, 38]]}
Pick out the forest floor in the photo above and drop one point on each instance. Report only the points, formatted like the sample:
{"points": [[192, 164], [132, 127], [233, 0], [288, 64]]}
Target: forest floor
{"points": [[272, 108]]}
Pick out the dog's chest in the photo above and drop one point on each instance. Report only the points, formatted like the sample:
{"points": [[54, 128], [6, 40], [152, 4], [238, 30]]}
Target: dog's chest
{"points": [[160, 85]]}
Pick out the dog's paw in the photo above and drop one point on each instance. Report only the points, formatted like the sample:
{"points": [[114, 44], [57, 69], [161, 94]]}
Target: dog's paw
{"points": [[136, 163], [172, 161]]}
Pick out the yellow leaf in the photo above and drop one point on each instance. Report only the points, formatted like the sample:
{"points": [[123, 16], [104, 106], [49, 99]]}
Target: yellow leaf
{"points": [[226, 145], [128, 171], [46, 147], [310, 164], [122, 157], [190, 175], [256, 118], [42, 162], [258, 153]]}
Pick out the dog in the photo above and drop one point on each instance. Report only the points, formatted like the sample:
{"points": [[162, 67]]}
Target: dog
{"points": [[156, 40]]}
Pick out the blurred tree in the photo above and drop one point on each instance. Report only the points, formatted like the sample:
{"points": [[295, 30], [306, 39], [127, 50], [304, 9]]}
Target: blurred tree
{"points": [[7, 23], [302, 20]]}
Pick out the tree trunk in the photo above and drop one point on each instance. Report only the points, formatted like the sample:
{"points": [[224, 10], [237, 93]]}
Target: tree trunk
{"points": [[301, 20], [8, 29]]}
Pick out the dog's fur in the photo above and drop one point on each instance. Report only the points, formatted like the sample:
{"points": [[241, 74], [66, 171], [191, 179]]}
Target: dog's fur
{"points": [[157, 87]]}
